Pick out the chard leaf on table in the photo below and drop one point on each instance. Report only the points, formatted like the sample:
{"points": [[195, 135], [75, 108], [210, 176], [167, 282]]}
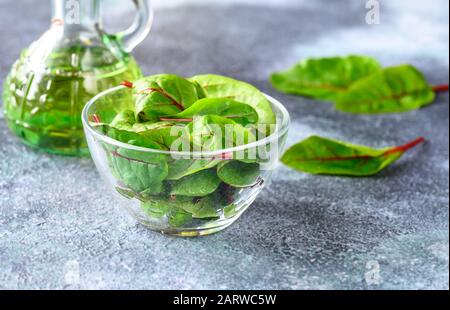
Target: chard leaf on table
{"points": [[393, 90], [318, 155], [324, 78], [239, 112], [162, 95], [199, 184], [216, 86], [239, 174]]}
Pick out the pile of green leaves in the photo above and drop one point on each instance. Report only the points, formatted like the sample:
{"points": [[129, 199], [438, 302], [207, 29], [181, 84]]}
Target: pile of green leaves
{"points": [[183, 189], [357, 84]]}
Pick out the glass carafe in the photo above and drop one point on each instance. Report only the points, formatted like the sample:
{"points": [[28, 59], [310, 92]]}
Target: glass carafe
{"points": [[73, 61]]}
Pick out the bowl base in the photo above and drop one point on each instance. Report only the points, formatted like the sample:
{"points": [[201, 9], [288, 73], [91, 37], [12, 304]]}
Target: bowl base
{"points": [[195, 232], [201, 230], [205, 230]]}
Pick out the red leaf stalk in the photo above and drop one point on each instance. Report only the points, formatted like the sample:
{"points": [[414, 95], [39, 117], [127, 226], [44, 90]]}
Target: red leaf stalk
{"points": [[440, 88], [180, 120], [406, 147], [127, 84], [95, 118]]}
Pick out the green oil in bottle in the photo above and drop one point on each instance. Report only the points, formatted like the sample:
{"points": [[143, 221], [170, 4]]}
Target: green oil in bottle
{"points": [[43, 102]]}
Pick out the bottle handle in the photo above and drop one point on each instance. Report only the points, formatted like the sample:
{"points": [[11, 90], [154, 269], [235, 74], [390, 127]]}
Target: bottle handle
{"points": [[141, 27]]}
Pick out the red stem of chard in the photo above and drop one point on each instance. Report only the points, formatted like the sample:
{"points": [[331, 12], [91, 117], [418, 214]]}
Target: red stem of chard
{"points": [[95, 118], [406, 147], [440, 88], [127, 84], [188, 120]]}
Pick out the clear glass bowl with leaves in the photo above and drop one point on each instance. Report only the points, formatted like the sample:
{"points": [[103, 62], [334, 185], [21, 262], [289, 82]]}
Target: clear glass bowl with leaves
{"points": [[177, 192]]}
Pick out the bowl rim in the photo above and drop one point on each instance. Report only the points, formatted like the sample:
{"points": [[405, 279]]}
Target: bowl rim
{"points": [[281, 130]]}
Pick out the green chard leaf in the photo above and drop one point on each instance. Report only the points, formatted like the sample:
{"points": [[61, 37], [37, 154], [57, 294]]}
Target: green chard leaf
{"points": [[125, 192], [162, 95], [199, 184], [159, 136], [209, 133], [324, 78], [165, 134], [393, 90], [156, 208], [184, 208], [139, 171], [201, 208], [180, 168], [318, 155], [212, 133], [230, 211], [128, 137], [239, 174], [179, 218], [123, 120], [239, 112], [216, 86], [200, 91], [158, 189]]}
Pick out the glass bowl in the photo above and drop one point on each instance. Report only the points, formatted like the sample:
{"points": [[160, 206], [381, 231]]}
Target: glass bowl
{"points": [[131, 172]]}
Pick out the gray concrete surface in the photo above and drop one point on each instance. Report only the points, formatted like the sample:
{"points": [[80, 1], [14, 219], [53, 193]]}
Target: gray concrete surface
{"points": [[60, 229]]}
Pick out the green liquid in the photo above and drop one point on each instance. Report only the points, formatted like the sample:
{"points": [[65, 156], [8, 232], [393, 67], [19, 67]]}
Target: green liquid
{"points": [[43, 106]]}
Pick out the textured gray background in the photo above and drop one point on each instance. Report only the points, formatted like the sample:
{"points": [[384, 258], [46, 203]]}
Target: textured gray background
{"points": [[60, 229]]}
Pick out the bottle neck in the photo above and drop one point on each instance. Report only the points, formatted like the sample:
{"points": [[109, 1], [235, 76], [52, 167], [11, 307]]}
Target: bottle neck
{"points": [[77, 13]]}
